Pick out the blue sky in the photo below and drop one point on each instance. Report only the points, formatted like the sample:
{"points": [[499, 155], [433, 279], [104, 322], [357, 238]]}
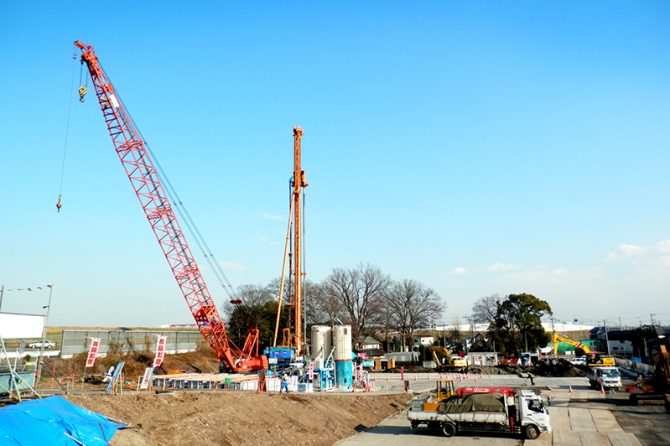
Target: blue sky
{"points": [[478, 147]]}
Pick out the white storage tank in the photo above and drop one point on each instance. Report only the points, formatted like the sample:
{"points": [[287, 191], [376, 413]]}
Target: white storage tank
{"points": [[321, 344], [344, 369]]}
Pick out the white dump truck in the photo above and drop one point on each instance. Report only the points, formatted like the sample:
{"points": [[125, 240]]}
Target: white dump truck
{"points": [[520, 412], [605, 377]]}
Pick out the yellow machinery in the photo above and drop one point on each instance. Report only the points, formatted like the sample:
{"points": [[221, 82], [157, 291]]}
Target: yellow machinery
{"points": [[444, 389], [657, 387], [593, 359], [445, 361], [558, 339]]}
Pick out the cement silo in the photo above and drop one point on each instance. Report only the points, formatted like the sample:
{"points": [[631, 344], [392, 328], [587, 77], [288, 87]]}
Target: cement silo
{"points": [[321, 344], [344, 368]]}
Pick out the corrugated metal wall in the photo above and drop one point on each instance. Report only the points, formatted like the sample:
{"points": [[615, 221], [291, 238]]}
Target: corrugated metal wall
{"points": [[125, 341]]}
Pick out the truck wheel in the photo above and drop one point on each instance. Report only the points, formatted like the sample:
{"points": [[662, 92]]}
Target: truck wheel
{"points": [[532, 432], [414, 424], [449, 429]]}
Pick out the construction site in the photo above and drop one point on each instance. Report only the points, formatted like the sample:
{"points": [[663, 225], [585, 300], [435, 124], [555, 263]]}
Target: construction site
{"points": [[348, 356]]}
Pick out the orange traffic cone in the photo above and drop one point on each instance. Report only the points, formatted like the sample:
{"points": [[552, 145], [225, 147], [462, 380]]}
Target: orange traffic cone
{"points": [[570, 389]]}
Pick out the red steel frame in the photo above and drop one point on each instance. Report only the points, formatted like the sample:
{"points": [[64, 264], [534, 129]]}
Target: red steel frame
{"points": [[140, 169]]}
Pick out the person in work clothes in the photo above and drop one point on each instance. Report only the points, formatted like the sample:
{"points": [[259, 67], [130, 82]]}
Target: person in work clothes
{"points": [[284, 384]]}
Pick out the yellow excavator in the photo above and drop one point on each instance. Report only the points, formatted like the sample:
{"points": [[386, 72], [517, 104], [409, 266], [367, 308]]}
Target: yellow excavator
{"points": [[657, 387], [446, 362], [592, 359], [444, 389]]}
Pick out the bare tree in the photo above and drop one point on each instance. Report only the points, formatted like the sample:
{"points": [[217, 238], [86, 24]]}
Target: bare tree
{"points": [[485, 310], [321, 307], [360, 292], [318, 306], [249, 294], [411, 305]]}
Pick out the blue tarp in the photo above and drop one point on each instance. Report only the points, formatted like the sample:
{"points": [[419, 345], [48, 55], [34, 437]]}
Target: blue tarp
{"points": [[49, 421]]}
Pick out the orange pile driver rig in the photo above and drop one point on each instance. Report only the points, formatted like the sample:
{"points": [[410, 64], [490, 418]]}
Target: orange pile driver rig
{"points": [[299, 183], [295, 220], [140, 169]]}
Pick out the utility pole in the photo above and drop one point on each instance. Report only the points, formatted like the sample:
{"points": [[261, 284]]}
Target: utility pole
{"points": [[525, 336], [607, 341], [2, 293], [44, 336]]}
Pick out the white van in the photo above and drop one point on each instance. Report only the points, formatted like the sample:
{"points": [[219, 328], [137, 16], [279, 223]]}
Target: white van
{"points": [[579, 360], [605, 377]]}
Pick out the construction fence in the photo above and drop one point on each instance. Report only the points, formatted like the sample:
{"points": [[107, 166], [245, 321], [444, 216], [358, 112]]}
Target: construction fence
{"points": [[127, 341]]}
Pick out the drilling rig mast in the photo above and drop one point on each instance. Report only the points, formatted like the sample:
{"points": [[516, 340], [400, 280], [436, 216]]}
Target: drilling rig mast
{"points": [[140, 168], [299, 183]]}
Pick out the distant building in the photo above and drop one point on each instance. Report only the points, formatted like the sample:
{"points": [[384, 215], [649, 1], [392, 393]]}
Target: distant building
{"points": [[369, 343], [423, 341]]}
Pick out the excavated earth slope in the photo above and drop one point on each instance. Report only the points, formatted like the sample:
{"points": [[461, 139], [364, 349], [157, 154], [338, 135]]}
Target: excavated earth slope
{"points": [[226, 418]]}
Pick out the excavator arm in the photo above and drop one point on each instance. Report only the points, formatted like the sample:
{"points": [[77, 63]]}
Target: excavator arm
{"points": [[140, 169], [558, 338]]}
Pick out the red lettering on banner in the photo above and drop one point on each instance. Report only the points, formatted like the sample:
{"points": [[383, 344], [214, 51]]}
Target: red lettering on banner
{"points": [[160, 351], [92, 352], [146, 378]]}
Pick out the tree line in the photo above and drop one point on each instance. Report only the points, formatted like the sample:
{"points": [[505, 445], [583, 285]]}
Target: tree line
{"points": [[373, 303], [364, 297], [514, 323]]}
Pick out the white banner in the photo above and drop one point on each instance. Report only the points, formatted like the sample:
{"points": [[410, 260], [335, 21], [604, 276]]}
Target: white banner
{"points": [[92, 352], [160, 351], [18, 326], [146, 379]]}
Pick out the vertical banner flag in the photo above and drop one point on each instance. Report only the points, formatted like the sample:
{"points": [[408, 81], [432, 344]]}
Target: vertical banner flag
{"points": [[146, 378], [310, 372], [92, 352], [160, 351]]}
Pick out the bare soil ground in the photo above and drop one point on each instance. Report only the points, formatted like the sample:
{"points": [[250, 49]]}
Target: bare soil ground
{"points": [[236, 418], [214, 417]]}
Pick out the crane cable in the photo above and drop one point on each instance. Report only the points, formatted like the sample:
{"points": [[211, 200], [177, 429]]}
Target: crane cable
{"points": [[183, 212], [172, 196], [192, 227], [59, 203]]}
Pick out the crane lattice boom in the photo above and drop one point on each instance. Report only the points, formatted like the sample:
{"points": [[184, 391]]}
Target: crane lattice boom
{"points": [[138, 165]]}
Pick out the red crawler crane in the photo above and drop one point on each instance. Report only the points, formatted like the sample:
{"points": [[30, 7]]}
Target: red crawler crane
{"points": [[139, 167]]}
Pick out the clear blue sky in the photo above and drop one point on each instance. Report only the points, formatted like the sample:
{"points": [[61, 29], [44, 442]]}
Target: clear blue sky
{"points": [[478, 147]]}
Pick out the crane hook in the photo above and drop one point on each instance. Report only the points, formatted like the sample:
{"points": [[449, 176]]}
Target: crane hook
{"points": [[82, 93], [59, 204]]}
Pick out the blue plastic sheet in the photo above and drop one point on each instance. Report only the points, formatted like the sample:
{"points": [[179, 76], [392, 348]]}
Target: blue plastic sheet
{"points": [[54, 421]]}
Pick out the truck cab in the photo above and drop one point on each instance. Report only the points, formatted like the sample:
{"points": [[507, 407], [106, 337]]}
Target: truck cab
{"points": [[533, 412], [605, 377]]}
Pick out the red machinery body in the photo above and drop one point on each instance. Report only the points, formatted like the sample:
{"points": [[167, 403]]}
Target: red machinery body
{"points": [[138, 165], [471, 390]]}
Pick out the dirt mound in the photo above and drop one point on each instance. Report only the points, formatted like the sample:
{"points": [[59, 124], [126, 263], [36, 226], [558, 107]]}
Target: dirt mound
{"points": [[489, 370], [219, 418], [555, 367], [134, 364]]}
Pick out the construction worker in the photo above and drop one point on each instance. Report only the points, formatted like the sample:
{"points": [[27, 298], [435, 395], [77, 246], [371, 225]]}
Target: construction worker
{"points": [[284, 384], [530, 377]]}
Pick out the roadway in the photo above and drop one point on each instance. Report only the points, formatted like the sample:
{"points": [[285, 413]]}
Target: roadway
{"points": [[580, 416]]}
